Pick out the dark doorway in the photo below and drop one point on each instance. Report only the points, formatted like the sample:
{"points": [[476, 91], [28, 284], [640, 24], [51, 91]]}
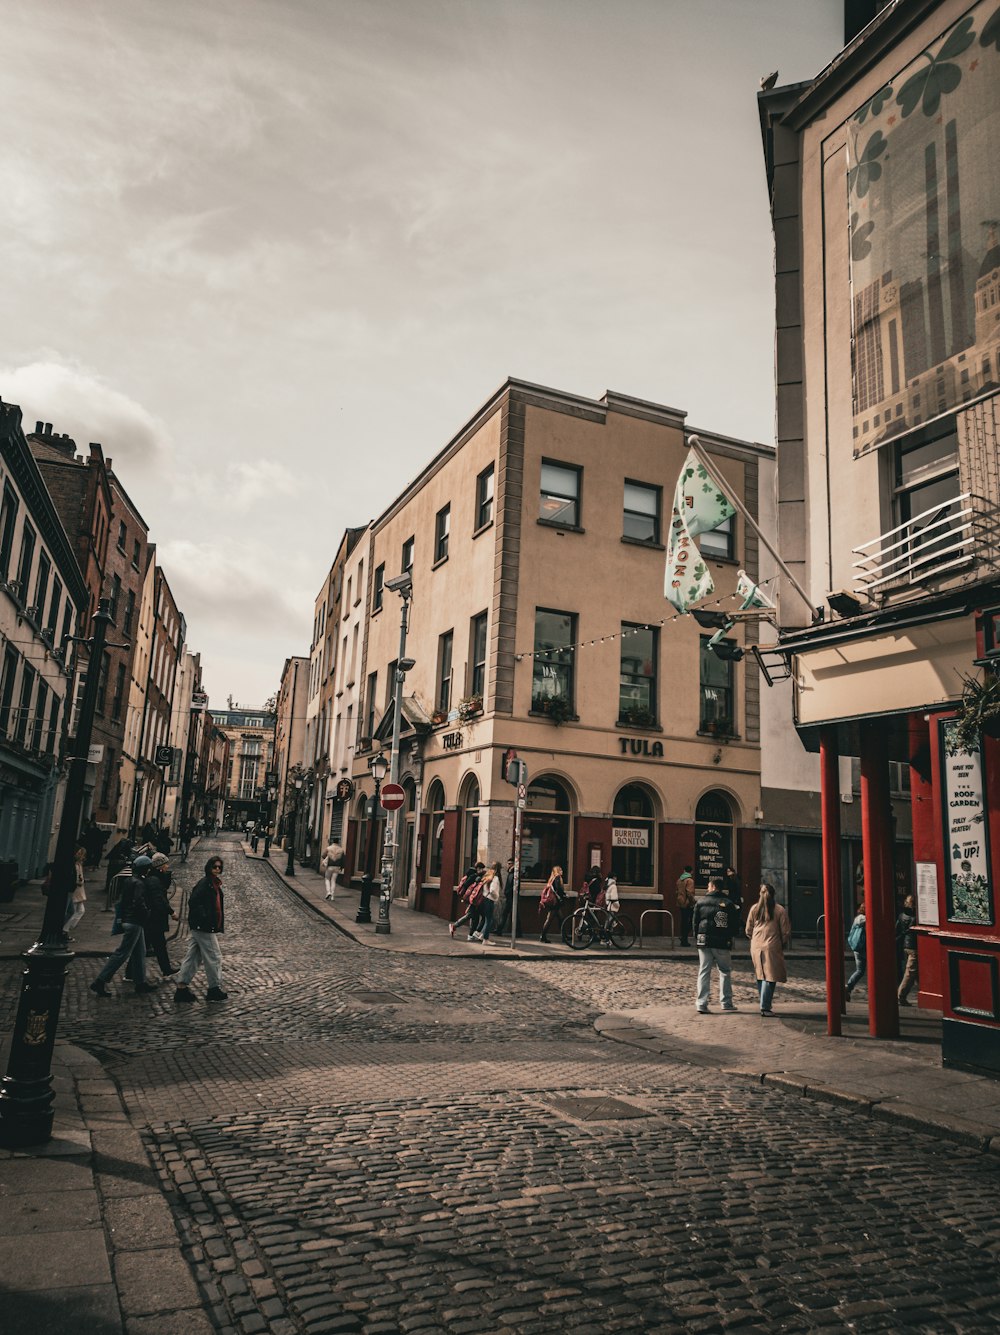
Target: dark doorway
{"points": [[805, 883]]}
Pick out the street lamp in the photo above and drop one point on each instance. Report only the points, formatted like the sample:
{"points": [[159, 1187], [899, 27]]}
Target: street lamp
{"points": [[290, 831], [403, 585], [379, 767]]}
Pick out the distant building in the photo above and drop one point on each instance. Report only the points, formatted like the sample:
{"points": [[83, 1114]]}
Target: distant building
{"points": [[289, 738], [250, 734]]}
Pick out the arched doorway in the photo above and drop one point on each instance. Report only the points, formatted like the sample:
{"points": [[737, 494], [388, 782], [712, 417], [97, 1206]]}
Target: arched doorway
{"points": [[469, 802], [633, 838], [545, 833], [713, 837], [435, 829], [404, 868]]}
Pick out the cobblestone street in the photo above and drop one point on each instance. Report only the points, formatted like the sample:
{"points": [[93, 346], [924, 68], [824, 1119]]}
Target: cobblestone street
{"points": [[362, 1141]]}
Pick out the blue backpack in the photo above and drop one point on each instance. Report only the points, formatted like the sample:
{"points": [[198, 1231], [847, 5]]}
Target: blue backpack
{"points": [[856, 936]]}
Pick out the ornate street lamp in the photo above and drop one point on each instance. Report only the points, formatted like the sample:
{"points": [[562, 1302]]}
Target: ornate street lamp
{"points": [[403, 585], [379, 767], [291, 828]]}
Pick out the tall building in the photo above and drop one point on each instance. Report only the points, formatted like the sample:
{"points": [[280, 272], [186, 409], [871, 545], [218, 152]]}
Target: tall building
{"points": [[250, 734], [289, 736]]}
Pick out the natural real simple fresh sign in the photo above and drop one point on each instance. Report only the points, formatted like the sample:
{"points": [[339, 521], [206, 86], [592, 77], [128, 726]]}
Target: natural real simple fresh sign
{"points": [[625, 838]]}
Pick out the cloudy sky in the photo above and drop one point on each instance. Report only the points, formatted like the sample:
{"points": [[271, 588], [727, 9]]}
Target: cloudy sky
{"points": [[273, 253]]}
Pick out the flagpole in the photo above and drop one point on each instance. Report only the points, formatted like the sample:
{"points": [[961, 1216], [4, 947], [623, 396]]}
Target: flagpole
{"points": [[695, 444]]}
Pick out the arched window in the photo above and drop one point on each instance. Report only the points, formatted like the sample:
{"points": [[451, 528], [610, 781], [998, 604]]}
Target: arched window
{"points": [[713, 837], [435, 829], [545, 834], [633, 837], [470, 822]]}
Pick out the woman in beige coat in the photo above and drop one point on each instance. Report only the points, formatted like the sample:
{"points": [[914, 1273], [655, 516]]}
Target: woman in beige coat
{"points": [[770, 932]]}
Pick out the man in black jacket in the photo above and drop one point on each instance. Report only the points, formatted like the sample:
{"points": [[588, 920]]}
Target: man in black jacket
{"points": [[207, 921], [716, 921], [134, 913]]}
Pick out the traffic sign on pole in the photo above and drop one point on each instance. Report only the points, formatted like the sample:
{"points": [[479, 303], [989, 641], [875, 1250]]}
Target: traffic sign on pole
{"points": [[392, 796], [522, 796]]}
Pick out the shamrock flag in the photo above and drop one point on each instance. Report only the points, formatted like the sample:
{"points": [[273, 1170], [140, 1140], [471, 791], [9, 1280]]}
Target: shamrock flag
{"points": [[699, 506], [752, 594]]}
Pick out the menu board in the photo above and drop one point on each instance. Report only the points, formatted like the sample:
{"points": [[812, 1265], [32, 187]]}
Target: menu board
{"points": [[712, 852], [966, 834]]}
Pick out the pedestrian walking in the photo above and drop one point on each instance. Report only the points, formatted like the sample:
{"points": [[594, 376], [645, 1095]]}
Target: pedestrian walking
{"points": [[207, 921], [184, 837], [491, 900], [268, 834], [118, 859], [685, 903], [858, 943], [164, 844], [714, 926], [469, 895], [331, 865], [254, 839], [77, 905], [770, 931], [133, 913], [552, 899], [904, 931], [160, 912], [507, 904], [734, 888]]}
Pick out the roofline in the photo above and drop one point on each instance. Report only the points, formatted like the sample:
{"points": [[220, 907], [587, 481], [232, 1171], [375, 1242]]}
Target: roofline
{"points": [[116, 485]]}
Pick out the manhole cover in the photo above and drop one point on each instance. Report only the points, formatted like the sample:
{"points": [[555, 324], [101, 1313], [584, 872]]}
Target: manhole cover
{"points": [[378, 998], [598, 1109]]}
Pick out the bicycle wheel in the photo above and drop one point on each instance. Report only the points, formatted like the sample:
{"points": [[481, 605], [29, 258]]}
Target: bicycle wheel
{"points": [[622, 931], [577, 932]]}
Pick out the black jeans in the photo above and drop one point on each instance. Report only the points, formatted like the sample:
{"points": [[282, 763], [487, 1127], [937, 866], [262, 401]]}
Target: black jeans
{"points": [[156, 944]]}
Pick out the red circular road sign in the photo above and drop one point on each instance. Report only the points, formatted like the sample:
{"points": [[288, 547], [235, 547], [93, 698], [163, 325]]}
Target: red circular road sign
{"points": [[391, 796]]}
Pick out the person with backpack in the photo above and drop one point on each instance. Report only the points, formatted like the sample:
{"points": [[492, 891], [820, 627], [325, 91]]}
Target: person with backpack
{"points": [[491, 898], [770, 931], [686, 899], [552, 899], [470, 893], [858, 943], [134, 913], [714, 927]]}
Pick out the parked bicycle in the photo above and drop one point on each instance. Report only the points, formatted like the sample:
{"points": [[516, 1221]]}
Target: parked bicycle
{"points": [[589, 925]]}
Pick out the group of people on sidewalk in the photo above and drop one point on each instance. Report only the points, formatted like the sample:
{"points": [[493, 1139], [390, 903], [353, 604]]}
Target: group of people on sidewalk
{"points": [[906, 949], [480, 892], [143, 914], [715, 920]]}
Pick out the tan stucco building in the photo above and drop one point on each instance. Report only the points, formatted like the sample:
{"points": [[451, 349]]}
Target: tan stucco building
{"points": [[538, 624]]}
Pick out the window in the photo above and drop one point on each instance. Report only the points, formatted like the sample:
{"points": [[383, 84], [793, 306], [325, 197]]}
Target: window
{"points": [[8, 518], [38, 725], [632, 837], [546, 831], [484, 498], [641, 515], [41, 585], [477, 655], [7, 688], [54, 602], [552, 677], [445, 648], [406, 562], [119, 696], [469, 803], [442, 531], [50, 736], [129, 612], [716, 680], [116, 595], [136, 549], [435, 807], [377, 590], [713, 837], [718, 541], [370, 709], [109, 770], [637, 694], [26, 559], [24, 703], [926, 493], [559, 502], [121, 535], [67, 624], [390, 683]]}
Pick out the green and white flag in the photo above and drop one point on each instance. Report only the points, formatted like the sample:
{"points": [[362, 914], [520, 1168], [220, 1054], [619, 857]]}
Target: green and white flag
{"points": [[699, 506], [752, 594]]}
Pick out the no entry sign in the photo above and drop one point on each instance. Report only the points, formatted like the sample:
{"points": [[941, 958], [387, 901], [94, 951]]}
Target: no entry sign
{"points": [[392, 796]]}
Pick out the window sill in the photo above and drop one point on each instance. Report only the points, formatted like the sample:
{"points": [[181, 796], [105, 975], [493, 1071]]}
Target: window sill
{"points": [[442, 560], [641, 542], [720, 737], [560, 528], [348, 685], [638, 727], [540, 713], [720, 560], [484, 529]]}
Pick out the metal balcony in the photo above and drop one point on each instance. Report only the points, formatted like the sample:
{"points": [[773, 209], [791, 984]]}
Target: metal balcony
{"points": [[924, 548]]}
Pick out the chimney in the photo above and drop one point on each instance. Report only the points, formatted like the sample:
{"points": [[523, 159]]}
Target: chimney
{"points": [[48, 429], [38, 428]]}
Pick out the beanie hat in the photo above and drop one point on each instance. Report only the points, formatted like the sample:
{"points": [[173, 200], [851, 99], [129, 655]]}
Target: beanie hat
{"points": [[159, 860]]}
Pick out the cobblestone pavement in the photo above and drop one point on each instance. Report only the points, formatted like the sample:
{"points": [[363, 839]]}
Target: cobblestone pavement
{"points": [[465, 1155]]}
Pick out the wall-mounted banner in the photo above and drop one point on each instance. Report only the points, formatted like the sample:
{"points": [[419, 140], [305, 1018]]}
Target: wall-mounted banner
{"points": [[966, 833], [923, 196]]}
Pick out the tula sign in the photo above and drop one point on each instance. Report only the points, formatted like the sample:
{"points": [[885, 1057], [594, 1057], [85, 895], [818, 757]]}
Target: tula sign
{"points": [[641, 746]]}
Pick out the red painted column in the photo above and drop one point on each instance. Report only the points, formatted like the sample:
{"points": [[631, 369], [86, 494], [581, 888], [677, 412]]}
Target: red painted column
{"points": [[833, 903], [880, 905]]}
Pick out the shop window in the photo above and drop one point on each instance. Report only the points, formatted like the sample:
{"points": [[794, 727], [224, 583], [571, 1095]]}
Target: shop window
{"points": [[552, 673], [435, 830], [637, 694], [469, 802], [641, 515], [484, 498], [633, 837], [446, 643], [477, 655], [559, 501], [716, 713], [718, 541], [713, 837], [546, 831], [442, 534]]}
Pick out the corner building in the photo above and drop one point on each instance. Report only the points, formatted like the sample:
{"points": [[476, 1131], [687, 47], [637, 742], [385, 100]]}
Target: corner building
{"points": [[535, 542]]}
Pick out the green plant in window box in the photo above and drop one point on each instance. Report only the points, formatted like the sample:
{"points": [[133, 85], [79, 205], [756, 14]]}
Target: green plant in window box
{"points": [[978, 713], [439, 716], [638, 718], [719, 727], [470, 707], [555, 707]]}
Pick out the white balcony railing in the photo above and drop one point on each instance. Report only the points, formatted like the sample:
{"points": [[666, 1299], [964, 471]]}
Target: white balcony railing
{"points": [[925, 547]]}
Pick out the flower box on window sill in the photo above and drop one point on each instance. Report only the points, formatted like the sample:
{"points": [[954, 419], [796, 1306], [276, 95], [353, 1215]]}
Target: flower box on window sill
{"points": [[470, 708], [556, 710], [639, 719], [438, 717], [720, 732]]}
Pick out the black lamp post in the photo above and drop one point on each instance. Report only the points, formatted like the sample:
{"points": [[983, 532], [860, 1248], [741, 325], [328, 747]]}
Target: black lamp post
{"points": [[290, 829], [379, 767], [403, 585], [26, 1095]]}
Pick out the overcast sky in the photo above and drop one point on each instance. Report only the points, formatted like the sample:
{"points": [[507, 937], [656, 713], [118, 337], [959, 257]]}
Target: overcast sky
{"points": [[273, 253]]}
